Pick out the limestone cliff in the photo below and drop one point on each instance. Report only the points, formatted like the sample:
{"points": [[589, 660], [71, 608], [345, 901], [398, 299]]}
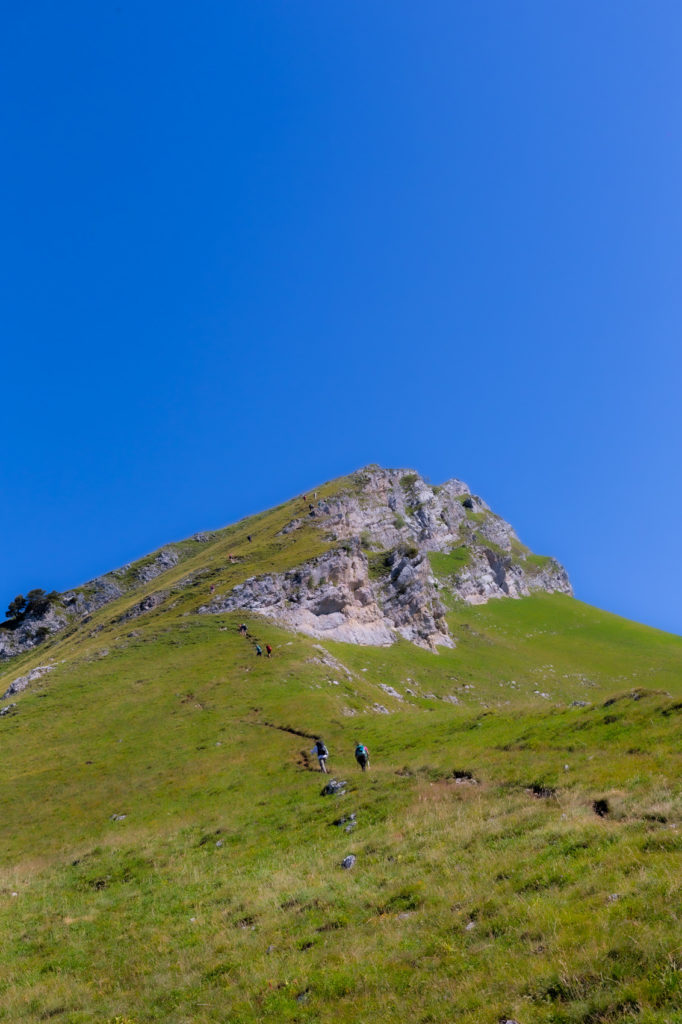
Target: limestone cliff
{"points": [[400, 546]]}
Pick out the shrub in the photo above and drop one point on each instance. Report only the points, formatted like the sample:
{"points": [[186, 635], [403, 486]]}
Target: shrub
{"points": [[37, 601], [17, 607], [408, 481]]}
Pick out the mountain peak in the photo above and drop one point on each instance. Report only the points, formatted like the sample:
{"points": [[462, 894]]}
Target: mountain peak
{"points": [[369, 558], [400, 551]]}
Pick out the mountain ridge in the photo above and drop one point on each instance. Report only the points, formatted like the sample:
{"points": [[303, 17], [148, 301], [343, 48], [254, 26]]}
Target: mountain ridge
{"points": [[381, 523]]}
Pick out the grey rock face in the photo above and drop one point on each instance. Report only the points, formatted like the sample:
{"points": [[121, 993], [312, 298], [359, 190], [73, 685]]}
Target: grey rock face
{"points": [[147, 604], [32, 631], [93, 595], [378, 583], [166, 559], [21, 682]]}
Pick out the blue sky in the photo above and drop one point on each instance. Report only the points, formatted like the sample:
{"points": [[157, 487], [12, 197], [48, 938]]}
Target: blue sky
{"points": [[251, 246]]}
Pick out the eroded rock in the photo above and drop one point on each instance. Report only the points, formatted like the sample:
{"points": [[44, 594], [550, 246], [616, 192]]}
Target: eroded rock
{"points": [[378, 583]]}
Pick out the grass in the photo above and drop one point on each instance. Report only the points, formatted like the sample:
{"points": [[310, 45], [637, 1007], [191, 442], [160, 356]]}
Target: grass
{"points": [[538, 562], [408, 480], [485, 885], [379, 564], [450, 563]]}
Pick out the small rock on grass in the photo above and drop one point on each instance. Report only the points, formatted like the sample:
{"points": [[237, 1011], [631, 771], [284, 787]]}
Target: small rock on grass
{"points": [[348, 861], [334, 788]]}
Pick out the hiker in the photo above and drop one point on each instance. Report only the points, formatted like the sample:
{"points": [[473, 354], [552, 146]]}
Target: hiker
{"points": [[249, 538], [268, 650], [242, 629], [321, 753], [362, 756], [259, 650], [212, 587]]}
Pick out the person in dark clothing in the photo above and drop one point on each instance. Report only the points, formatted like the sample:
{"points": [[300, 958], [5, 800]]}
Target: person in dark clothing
{"points": [[249, 538], [362, 756], [242, 629], [321, 753]]}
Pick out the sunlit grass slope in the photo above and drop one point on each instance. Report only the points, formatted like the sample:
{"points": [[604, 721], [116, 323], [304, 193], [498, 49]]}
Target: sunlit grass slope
{"points": [[167, 854]]}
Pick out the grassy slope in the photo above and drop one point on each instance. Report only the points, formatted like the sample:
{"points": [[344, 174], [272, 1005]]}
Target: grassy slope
{"points": [[220, 897]]}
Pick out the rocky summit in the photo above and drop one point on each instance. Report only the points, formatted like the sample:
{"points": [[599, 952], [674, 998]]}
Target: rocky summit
{"points": [[399, 548]]}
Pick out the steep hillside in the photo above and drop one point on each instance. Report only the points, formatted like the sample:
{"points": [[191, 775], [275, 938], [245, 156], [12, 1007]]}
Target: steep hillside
{"points": [[168, 854]]}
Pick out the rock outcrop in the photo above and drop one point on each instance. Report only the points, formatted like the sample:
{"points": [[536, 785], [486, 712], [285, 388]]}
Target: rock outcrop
{"points": [[399, 544], [31, 631], [22, 682], [76, 606]]}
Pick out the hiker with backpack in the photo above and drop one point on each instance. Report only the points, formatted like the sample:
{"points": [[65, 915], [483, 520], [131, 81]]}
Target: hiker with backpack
{"points": [[362, 756], [259, 650], [268, 650], [321, 753]]}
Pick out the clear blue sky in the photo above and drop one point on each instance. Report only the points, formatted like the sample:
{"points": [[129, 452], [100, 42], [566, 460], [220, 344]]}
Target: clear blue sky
{"points": [[251, 246]]}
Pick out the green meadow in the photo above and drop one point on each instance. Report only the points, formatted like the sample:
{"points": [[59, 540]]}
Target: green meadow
{"points": [[167, 854]]}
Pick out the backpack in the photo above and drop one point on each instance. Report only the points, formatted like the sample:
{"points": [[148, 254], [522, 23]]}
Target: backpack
{"points": [[321, 750]]}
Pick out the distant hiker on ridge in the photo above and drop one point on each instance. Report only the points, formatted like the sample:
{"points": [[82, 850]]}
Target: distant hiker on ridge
{"points": [[321, 753], [362, 756], [242, 628], [249, 538]]}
